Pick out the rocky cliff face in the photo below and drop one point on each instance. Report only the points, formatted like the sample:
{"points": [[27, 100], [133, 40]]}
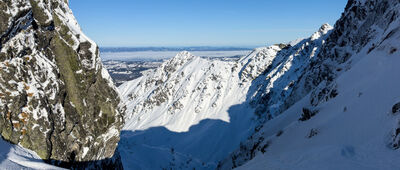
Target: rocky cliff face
{"points": [[364, 25], [55, 97], [277, 77]]}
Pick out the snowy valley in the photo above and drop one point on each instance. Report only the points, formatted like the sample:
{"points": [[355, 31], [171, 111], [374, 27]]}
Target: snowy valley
{"points": [[327, 101], [203, 108]]}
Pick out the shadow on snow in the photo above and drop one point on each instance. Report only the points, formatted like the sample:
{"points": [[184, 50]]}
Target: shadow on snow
{"points": [[209, 141]]}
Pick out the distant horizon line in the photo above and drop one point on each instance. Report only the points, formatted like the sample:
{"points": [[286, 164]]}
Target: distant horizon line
{"points": [[177, 48], [182, 46]]}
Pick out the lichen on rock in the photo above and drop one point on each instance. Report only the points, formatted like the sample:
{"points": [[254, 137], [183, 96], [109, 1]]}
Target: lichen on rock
{"points": [[55, 97]]}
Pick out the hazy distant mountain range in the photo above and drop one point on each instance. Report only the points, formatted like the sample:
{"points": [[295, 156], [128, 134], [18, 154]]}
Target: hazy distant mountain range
{"points": [[133, 49]]}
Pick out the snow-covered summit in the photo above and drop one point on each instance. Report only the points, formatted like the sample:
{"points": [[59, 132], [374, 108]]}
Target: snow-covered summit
{"points": [[324, 29], [184, 55]]}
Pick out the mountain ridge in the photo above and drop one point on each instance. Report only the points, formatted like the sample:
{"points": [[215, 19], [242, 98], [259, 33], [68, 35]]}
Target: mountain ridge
{"points": [[357, 35], [328, 101], [289, 87], [187, 92]]}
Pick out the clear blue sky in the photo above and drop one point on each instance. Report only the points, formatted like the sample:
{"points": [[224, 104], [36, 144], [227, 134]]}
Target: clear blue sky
{"points": [[250, 23]]}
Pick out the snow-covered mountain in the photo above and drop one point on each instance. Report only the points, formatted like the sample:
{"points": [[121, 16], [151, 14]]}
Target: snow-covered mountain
{"points": [[329, 101], [349, 117], [56, 98], [326, 102], [203, 108]]}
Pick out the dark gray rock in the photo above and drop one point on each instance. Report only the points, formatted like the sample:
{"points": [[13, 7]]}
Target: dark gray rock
{"points": [[396, 108]]}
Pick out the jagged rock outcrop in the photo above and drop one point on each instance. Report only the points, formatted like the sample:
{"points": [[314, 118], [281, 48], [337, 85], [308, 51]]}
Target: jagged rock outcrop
{"points": [[55, 97], [358, 28], [278, 76]]}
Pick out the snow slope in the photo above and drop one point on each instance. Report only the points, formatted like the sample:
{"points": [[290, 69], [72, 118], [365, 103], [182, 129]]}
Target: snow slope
{"points": [[355, 130], [16, 157], [326, 102], [351, 89], [177, 106], [184, 84], [201, 109]]}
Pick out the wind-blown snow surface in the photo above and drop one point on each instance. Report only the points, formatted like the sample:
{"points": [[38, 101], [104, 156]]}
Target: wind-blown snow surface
{"points": [[192, 112], [16, 157]]}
